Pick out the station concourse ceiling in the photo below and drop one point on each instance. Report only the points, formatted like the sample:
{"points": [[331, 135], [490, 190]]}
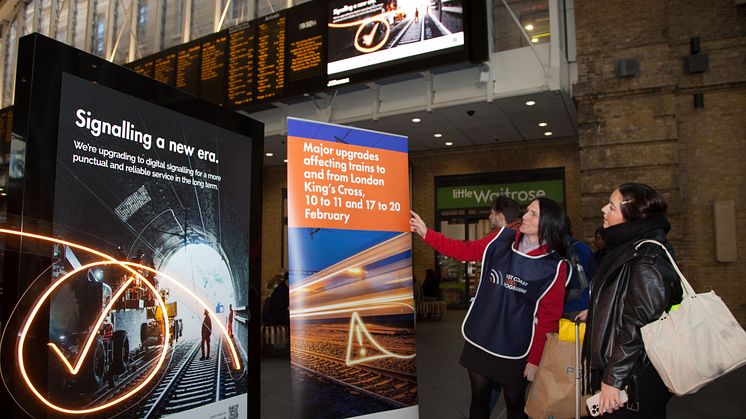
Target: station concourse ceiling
{"points": [[501, 121]]}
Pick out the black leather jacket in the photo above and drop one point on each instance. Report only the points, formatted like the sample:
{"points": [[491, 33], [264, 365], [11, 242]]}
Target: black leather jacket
{"points": [[635, 289]]}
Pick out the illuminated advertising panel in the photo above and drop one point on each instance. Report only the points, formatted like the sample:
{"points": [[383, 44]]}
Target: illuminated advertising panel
{"points": [[364, 34], [133, 270]]}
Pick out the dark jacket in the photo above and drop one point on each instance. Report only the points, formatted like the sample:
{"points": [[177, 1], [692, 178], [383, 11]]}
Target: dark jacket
{"points": [[276, 309], [632, 287]]}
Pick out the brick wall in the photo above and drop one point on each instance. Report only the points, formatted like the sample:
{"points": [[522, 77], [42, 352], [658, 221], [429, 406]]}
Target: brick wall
{"points": [[275, 179], [646, 129]]}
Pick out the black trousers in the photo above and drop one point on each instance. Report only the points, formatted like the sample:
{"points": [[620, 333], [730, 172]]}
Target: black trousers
{"points": [[481, 393], [653, 397]]}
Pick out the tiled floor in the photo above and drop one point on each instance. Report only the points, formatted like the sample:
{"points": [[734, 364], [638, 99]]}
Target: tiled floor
{"points": [[444, 386]]}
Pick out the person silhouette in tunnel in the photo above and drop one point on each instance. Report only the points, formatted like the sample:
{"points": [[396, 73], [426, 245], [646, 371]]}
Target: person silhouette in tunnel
{"points": [[230, 320], [206, 332]]}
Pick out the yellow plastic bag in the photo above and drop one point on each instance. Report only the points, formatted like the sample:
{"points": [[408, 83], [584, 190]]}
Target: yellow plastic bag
{"points": [[567, 330]]}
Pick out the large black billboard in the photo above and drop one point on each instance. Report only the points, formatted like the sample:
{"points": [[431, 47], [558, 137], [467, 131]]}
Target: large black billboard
{"points": [[132, 246]]}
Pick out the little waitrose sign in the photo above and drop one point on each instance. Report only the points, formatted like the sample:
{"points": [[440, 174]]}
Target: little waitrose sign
{"points": [[479, 196]]}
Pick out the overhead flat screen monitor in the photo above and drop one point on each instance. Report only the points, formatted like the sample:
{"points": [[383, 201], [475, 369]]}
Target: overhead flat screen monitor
{"points": [[399, 35], [132, 253]]}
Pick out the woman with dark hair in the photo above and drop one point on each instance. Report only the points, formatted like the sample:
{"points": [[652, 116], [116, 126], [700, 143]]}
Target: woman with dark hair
{"points": [[518, 301], [634, 284]]}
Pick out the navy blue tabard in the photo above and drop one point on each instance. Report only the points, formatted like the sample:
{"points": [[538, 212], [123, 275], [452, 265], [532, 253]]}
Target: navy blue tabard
{"points": [[502, 319]]}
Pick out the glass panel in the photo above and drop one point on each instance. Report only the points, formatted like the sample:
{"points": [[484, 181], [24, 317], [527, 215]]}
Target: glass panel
{"points": [[172, 13], [533, 16], [122, 26], [28, 18], [10, 54], [145, 28], [203, 18], [238, 11], [98, 40], [44, 16], [267, 7], [80, 11], [62, 8]]}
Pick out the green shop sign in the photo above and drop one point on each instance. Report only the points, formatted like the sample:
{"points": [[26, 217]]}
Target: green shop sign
{"points": [[480, 196]]}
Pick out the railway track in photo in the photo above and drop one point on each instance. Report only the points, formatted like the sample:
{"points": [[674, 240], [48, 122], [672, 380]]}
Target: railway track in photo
{"points": [[192, 382], [393, 387]]}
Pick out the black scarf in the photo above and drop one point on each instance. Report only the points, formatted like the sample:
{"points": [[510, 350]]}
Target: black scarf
{"points": [[618, 239]]}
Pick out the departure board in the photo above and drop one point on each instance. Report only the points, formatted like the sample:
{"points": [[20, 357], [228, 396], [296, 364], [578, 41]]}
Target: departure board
{"points": [[188, 68], [305, 72], [270, 57], [145, 67], [241, 65], [213, 68], [316, 45], [164, 69]]}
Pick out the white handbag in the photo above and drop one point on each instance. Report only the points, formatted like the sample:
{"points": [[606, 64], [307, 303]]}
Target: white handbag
{"points": [[695, 344]]}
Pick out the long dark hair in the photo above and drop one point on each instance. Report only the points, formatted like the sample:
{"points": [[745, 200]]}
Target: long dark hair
{"points": [[552, 225], [640, 201]]}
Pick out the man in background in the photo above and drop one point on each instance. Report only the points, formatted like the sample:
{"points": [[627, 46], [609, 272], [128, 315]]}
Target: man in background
{"points": [[230, 320], [206, 332]]}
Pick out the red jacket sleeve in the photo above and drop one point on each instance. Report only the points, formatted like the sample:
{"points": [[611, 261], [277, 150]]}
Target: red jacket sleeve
{"points": [[466, 251], [548, 315]]}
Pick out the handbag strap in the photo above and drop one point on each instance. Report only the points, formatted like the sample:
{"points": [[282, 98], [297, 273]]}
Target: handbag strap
{"points": [[688, 290]]}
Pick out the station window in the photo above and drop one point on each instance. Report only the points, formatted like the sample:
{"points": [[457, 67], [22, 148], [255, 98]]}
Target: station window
{"points": [[533, 16]]}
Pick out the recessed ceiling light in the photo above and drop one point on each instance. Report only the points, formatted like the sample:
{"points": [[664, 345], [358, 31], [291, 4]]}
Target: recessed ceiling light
{"points": [[437, 135], [530, 103], [548, 133], [448, 143], [269, 154], [535, 40], [529, 27], [286, 160], [416, 120], [542, 124]]}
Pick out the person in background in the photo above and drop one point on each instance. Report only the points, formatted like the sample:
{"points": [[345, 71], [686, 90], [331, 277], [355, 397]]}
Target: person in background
{"points": [[206, 332], [518, 301], [277, 305], [576, 293], [416, 290], [431, 286], [230, 320], [634, 284]]}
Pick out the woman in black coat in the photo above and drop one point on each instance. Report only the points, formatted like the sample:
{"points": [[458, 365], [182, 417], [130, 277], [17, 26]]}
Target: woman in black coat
{"points": [[634, 284]]}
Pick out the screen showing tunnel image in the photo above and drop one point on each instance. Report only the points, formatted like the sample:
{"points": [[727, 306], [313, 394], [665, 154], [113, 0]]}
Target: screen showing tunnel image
{"points": [[352, 335], [367, 33], [166, 332]]}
